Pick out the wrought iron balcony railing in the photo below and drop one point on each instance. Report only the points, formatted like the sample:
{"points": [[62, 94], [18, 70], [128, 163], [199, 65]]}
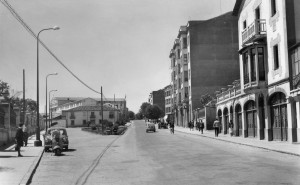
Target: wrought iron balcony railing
{"points": [[255, 30]]}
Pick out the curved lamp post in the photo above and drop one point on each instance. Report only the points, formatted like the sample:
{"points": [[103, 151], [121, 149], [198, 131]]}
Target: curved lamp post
{"points": [[49, 97], [38, 142], [49, 108]]}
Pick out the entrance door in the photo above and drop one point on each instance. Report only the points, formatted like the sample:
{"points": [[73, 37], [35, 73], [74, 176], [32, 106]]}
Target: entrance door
{"points": [[240, 124], [251, 117], [279, 117], [251, 123]]}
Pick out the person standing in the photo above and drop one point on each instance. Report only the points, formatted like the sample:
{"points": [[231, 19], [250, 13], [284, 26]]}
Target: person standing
{"points": [[201, 126], [172, 127], [216, 125], [198, 125], [25, 135], [231, 128], [19, 139]]}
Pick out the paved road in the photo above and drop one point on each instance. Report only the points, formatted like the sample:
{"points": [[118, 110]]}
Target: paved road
{"points": [[161, 158]]}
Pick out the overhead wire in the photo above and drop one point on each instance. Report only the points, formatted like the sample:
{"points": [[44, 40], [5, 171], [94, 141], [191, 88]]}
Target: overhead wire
{"points": [[20, 20]]}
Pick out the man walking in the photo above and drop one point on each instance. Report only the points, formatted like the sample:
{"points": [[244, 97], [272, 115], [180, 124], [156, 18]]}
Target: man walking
{"points": [[201, 126], [19, 139], [25, 135], [216, 125]]}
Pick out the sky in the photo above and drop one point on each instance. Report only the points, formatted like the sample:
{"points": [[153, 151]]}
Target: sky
{"points": [[121, 45]]}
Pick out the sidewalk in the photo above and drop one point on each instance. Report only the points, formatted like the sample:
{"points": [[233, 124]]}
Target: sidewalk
{"points": [[277, 146], [18, 170]]}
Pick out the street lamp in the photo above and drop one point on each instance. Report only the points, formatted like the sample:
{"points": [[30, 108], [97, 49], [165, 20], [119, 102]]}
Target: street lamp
{"points": [[46, 98], [49, 108], [38, 142]]}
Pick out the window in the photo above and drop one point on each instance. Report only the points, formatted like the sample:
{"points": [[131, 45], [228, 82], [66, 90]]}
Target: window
{"points": [[244, 24], [186, 78], [184, 43], [273, 7], [185, 57], [296, 61], [246, 70], [276, 57], [252, 64], [261, 63], [111, 114], [186, 89], [178, 53], [257, 13]]}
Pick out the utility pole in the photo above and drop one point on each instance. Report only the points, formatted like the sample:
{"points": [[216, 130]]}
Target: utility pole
{"points": [[24, 102], [114, 110], [102, 111]]}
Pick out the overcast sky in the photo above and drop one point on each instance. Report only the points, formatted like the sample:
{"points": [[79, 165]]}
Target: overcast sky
{"points": [[121, 45]]}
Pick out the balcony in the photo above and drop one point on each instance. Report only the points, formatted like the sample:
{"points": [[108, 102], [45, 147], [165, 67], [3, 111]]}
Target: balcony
{"points": [[255, 31], [233, 91]]}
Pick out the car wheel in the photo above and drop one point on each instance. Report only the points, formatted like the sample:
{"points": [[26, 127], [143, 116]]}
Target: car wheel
{"points": [[46, 149]]}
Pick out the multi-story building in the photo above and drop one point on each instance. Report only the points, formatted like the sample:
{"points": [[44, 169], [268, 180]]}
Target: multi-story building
{"points": [[58, 104], [264, 104], [203, 59], [168, 101], [91, 114], [157, 98]]}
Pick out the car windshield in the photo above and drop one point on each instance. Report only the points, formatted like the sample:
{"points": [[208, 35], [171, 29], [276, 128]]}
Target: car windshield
{"points": [[62, 131]]}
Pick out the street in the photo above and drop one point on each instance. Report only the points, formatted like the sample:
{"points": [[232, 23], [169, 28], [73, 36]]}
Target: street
{"points": [[138, 157]]}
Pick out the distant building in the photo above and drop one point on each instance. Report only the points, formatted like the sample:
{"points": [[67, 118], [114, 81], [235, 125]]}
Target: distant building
{"points": [[92, 114], [58, 104], [168, 101], [203, 59], [158, 98]]}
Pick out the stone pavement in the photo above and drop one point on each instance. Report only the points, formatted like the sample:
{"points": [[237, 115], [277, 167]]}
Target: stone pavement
{"points": [[18, 170], [277, 146]]}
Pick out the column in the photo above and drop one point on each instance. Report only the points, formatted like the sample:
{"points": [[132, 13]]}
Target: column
{"points": [[245, 134], [298, 120], [291, 118], [268, 122]]}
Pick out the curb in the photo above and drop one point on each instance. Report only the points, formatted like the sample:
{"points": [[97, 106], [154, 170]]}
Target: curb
{"points": [[29, 174], [279, 151]]}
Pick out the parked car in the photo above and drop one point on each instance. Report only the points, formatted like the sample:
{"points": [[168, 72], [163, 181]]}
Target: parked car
{"points": [[162, 125], [63, 135], [150, 127]]}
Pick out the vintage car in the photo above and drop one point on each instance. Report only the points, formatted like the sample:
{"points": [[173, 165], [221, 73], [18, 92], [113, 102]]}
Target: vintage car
{"points": [[48, 138], [150, 127]]}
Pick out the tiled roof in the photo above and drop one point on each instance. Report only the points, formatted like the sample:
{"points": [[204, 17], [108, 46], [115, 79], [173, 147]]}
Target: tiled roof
{"points": [[81, 98], [92, 108]]}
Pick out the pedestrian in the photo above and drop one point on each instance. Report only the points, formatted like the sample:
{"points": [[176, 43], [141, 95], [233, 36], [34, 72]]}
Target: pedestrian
{"points": [[216, 125], [19, 139], [231, 128], [172, 127], [198, 125], [25, 135], [201, 126]]}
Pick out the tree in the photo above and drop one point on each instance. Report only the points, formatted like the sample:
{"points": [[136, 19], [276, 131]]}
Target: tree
{"points": [[4, 88], [205, 99], [131, 115], [154, 112], [144, 107], [139, 115]]}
